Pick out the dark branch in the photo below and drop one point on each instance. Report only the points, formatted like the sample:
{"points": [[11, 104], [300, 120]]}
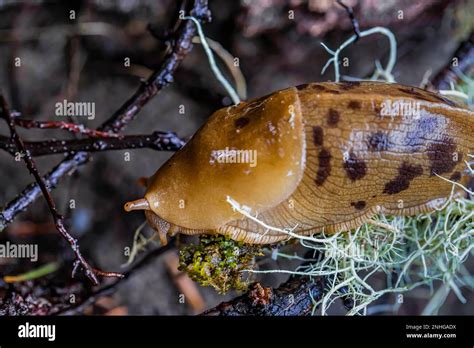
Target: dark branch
{"points": [[355, 23], [161, 141], [464, 56], [293, 297], [58, 220], [111, 288], [71, 127], [163, 76], [126, 113], [32, 191]]}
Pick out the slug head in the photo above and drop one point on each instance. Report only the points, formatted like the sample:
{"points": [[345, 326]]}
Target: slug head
{"points": [[253, 152]]}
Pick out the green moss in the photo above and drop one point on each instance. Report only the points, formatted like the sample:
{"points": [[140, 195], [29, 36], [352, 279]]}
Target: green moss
{"points": [[218, 261]]}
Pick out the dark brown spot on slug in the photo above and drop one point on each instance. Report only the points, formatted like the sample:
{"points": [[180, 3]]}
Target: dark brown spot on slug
{"points": [[346, 85], [443, 156], [314, 86], [456, 176], [359, 205], [303, 86], [318, 135], [378, 141], [378, 110], [324, 169], [406, 173], [241, 122], [410, 171], [355, 168], [354, 105], [317, 87], [333, 91], [333, 118]]}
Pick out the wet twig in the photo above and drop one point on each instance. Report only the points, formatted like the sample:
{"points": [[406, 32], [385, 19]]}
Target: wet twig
{"points": [[32, 191], [294, 297], [124, 115], [161, 141], [111, 288], [71, 127], [162, 77], [354, 21], [58, 219], [464, 60]]}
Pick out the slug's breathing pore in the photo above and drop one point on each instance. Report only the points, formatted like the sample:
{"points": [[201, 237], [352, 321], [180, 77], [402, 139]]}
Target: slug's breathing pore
{"points": [[317, 157]]}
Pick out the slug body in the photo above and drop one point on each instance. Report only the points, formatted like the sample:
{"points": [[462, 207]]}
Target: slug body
{"points": [[326, 157]]}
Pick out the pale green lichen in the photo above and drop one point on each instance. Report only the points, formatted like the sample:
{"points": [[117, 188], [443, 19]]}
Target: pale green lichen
{"points": [[419, 250]]}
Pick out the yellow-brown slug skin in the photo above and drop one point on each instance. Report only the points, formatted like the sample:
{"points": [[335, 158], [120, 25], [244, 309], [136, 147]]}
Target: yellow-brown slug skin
{"points": [[330, 156], [190, 190]]}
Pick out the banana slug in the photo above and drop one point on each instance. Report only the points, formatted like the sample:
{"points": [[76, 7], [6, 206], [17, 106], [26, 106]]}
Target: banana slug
{"points": [[328, 157]]}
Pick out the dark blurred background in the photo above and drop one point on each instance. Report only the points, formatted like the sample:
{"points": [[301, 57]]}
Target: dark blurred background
{"points": [[82, 60]]}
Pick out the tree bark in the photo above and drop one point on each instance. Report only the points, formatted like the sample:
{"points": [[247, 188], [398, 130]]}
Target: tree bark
{"points": [[294, 297]]}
